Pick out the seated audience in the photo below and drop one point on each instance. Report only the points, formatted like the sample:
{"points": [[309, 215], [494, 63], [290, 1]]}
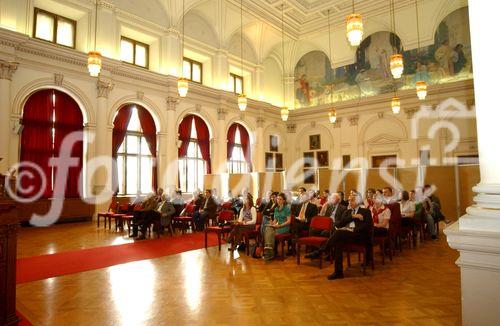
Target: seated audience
{"points": [[355, 225], [141, 217], [333, 209], [268, 212], [167, 212], [279, 225], [206, 207], [423, 209], [265, 201], [178, 202], [324, 197], [435, 204], [379, 192], [343, 202], [297, 202], [246, 222], [368, 202], [388, 196], [407, 209], [381, 216], [307, 211]]}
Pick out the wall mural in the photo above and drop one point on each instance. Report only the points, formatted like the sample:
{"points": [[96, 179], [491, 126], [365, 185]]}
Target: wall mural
{"points": [[447, 60]]}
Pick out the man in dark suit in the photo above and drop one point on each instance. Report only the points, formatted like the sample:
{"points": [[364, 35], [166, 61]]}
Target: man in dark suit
{"points": [[297, 202], [355, 226], [307, 211], [207, 209], [333, 209]]}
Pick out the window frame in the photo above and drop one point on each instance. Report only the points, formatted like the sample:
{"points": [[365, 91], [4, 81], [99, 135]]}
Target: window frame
{"points": [[134, 43], [240, 163], [191, 63], [139, 157], [198, 159], [56, 18], [235, 77]]}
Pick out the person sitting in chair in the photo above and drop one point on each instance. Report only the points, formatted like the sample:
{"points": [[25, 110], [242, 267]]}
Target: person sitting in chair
{"points": [[167, 212], [355, 226], [278, 225], [332, 209], [140, 216], [207, 208], [246, 222], [381, 216]]}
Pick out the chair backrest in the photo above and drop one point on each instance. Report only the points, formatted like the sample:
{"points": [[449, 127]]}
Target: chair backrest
{"points": [[259, 218], [395, 221], [190, 207], [258, 202], [321, 223], [113, 206], [123, 208], [136, 207], [226, 205], [226, 215]]}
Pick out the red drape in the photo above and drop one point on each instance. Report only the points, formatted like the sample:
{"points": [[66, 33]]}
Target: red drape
{"points": [[119, 131], [69, 119], [245, 145], [230, 139], [36, 143], [149, 131], [203, 141], [185, 135]]}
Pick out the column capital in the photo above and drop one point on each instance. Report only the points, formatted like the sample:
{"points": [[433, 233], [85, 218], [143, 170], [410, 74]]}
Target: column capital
{"points": [[103, 88], [410, 112], [291, 128], [260, 122], [7, 69], [338, 123], [171, 103], [353, 120], [221, 114]]}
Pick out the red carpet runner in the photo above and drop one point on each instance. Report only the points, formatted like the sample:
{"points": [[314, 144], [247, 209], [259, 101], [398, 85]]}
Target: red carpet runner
{"points": [[41, 267]]}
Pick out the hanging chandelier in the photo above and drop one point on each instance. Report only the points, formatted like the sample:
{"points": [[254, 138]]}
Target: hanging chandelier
{"points": [[395, 104], [284, 113], [242, 99], [396, 63], [421, 85], [354, 27], [94, 60], [284, 110], [332, 116], [421, 89], [182, 83]]}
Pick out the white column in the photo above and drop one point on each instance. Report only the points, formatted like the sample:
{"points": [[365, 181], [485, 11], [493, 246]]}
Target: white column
{"points": [[221, 139], [337, 145], [477, 234], [258, 154], [221, 70], [102, 147], [289, 92], [7, 69], [258, 78], [171, 62], [168, 149]]}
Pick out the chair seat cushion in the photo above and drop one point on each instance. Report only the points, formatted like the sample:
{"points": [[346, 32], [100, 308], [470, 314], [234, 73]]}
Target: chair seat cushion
{"points": [[282, 236], [312, 241], [116, 215], [183, 218]]}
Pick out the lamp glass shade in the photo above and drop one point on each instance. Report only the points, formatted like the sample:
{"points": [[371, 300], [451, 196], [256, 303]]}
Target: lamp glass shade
{"points": [[354, 29], [94, 63]]}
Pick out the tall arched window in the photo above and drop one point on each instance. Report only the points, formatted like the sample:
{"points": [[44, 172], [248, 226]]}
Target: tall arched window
{"points": [[134, 148], [238, 150], [194, 153], [48, 117]]}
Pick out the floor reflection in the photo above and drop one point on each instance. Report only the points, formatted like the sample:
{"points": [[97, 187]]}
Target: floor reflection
{"points": [[192, 270], [132, 288]]}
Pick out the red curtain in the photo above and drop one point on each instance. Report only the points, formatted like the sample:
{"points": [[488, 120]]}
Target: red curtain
{"points": [[149, 131], [119, 131], [185, 135], [203, 141], [245, 145], [36, 143], [69, 119], [230, 139]]}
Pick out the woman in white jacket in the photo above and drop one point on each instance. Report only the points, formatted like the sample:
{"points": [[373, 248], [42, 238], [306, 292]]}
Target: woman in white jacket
{"points": [[246, 221]]}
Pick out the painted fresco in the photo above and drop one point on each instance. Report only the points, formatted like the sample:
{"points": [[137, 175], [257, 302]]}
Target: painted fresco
{"points": [[447, 60]]}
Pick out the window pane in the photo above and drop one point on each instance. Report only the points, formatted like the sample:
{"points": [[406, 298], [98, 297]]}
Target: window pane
{"points": [[192, 149], [201, 174], [131, 175], [239, 85], [231, 82], [144, 147], [127, 51], [140, 55], [120, 168], [132, 144], [186, 69], [196, 72], [65, 32], [182, 175], [146, 175], [134, 123], [122, 148], [44, 26], [191, 172]]}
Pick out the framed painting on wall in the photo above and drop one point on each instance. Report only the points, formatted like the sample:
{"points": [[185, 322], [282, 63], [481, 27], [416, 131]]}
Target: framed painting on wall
{"points": [[279, 161], [309, 176], [314, 142], [273, 143], [308, 159], [269, 161], [322, 158]]}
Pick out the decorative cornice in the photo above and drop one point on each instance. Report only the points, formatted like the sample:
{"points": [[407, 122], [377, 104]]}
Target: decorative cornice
{"points": [[58, 79], [353, 120], [103, 88], [410, 112], [7, 69], [171, 103], [140, 95]]}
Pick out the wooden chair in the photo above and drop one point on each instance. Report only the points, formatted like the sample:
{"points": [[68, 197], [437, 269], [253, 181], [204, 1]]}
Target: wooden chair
{"points": [[395, 227], [113, 208], [185, 222], [319, 223], [364, 249], [123, 209], [225, 215], [280, 239], [253, 234]]}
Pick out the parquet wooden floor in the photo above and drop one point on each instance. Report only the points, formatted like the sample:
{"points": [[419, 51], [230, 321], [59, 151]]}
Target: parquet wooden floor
{"points": [[206, 287]]}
